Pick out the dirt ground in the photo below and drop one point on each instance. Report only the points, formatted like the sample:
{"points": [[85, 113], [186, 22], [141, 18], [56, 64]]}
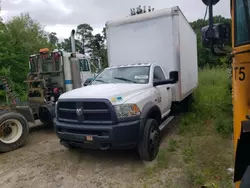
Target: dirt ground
{"points": [[43, 163]]}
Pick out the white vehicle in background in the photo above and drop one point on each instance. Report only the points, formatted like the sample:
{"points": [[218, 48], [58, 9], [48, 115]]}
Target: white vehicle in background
{"points": [[152, 65], [51, 73]]}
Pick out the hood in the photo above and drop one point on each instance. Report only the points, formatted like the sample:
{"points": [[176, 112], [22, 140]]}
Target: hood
{"points": [[116, 93]]}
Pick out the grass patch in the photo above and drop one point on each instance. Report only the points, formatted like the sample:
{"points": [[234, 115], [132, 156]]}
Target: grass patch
{"points": [[172, 145], [161, 162], [212, 104], [201, 150], [208, 150]]}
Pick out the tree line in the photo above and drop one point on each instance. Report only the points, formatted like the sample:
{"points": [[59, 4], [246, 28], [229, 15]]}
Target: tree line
{"points": [[23, 36]]}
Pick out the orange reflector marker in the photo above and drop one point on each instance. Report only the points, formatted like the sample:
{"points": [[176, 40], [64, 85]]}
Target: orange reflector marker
{"points": [[135, 108], [44, 50]]}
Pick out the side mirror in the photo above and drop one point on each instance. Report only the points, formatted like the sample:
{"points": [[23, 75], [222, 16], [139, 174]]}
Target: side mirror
{"points": [[214, 2], [173, 78]]}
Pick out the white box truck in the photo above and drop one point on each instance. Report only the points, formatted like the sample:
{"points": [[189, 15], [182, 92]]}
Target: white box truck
{"points": [[152, 64], [164, 37]]}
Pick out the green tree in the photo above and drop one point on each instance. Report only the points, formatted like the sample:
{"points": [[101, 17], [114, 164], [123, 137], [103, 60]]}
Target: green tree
{"points": [[19, 38], [104, 33], [98, 49], [84, 31], [53, 40], [66, 45]]}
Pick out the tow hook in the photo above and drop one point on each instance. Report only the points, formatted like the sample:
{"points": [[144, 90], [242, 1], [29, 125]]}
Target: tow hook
{"points": [[65, 144], [104, 146]]}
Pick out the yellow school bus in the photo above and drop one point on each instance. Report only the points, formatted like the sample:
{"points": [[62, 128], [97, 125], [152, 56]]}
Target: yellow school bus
{"points": [[218, 35]]}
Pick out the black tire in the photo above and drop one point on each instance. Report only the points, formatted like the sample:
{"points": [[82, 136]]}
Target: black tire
{"points": [[148, 146], [23, 124]]}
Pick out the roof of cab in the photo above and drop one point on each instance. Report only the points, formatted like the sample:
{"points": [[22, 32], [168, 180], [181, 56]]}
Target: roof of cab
{"points": [[131, 65]]}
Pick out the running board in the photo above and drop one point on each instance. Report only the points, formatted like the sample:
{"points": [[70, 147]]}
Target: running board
{"points": [[165, 123]]}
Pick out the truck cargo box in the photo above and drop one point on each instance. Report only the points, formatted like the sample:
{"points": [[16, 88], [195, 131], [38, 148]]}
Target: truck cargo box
{"points": [[164, 37]]}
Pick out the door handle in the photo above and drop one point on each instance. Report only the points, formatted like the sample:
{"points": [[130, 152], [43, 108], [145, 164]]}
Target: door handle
{"points": [[168, 88]]}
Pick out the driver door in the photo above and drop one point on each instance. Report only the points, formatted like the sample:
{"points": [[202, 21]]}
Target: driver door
{"points": [[163, 97]]}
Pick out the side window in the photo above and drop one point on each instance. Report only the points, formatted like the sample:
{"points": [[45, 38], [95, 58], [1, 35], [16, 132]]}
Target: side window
{"points": [[84, 65], [33, 65], [241, 22], [158, 74]]}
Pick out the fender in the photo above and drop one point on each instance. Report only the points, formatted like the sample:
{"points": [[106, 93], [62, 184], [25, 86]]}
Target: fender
{"points": [[50, 108], [147, 111]]}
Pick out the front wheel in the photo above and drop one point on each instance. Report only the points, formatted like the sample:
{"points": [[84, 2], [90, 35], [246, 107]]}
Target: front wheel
{"points": [[14, 130], [148, 146]]}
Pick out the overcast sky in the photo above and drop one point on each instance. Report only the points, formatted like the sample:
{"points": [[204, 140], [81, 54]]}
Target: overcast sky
{"points": [[61, 16]]}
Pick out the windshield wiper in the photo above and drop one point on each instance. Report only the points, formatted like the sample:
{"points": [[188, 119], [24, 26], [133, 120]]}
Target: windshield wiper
{"points": [[99, 80], [125, 79]]}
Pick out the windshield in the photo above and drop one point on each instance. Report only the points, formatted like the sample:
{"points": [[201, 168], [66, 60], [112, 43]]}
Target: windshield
{"points": [[136, 75], [242, 20], [50, 62]]}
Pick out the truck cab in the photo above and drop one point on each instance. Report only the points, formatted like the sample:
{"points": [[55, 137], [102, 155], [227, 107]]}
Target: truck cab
{"points": [[142, 77], [113, 110], [89, 67], [51, 74]]}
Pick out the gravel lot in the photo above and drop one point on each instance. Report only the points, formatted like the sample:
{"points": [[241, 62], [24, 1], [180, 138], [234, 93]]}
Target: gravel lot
{"points": [[43, 163]]}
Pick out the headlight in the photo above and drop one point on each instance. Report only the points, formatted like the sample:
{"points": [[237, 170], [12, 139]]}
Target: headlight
{"points": [[127, 110]]}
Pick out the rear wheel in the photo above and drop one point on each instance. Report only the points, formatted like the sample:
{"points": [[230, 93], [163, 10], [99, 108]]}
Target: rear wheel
{"points": [[148, 146], [14, 130]]}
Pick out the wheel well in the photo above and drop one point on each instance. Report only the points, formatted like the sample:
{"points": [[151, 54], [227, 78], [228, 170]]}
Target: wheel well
{"points": [[155, 114], [46, 113]]}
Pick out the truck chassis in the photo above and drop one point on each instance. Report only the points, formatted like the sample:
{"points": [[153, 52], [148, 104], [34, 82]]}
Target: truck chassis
{"points": [[15, 118]]}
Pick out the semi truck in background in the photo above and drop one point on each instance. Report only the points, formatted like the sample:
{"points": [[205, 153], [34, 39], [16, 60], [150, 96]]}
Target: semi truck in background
{"points": [[152, 65], [51, 73]]}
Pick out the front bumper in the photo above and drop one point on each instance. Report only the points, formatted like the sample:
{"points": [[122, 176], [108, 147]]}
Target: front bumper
{"points": [[116, 136]]}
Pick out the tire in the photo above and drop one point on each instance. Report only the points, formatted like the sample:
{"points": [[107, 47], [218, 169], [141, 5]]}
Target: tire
{"points": [[14, 136], [148, 146]]}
